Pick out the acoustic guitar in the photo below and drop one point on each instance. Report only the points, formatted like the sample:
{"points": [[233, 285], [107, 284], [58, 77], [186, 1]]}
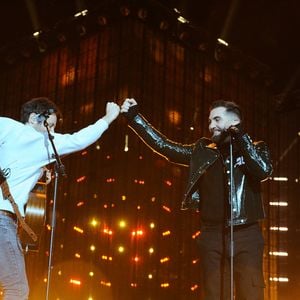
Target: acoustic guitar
{"points": [[35, 216], [31, 227]]}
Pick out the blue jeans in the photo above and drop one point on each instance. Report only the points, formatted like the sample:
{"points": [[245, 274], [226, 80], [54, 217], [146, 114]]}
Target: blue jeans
{"points": [[13, 279]]}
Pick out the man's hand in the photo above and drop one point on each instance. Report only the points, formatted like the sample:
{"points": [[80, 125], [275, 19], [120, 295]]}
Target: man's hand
{"points": [[129, 102], [112, 111], [234, 128]]}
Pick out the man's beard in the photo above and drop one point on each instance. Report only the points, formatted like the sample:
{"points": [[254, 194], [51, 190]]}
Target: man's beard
{"points": [[221, 138]]}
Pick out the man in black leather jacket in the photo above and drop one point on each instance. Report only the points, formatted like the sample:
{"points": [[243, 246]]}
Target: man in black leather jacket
{"points": [[211, 189]]}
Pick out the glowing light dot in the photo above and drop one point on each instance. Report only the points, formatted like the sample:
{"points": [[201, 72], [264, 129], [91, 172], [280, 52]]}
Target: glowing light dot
{"points": [[150, 276], [80, 179], [121, 249], [168, 182], [105, 283], [94, 222], [122, 224], [77, 229], [168, 232], [174, 117], [123, 198], [196, 234], [75, 281], [151, 250], [110, 180], [152, 225], [91, 274], [107, 231], [165, 259], [166, 208], [92, 248]]}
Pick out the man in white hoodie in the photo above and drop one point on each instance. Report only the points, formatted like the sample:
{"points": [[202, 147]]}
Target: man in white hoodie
{"points": [[24, 150]]}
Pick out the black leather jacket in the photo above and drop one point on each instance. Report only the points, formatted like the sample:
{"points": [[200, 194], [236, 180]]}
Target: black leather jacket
{"points": [[251, 165]]}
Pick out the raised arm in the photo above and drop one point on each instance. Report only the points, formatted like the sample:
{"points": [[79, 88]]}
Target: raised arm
{"points": [[68, 143], [175, 152]]}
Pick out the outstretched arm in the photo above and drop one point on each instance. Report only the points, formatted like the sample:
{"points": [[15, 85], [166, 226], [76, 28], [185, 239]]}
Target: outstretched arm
{"points": [[68, 143], [172, 151]]}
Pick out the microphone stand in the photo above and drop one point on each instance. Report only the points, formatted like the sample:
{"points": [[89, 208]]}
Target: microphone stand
{"points": [[231, 218], [59, 169]]}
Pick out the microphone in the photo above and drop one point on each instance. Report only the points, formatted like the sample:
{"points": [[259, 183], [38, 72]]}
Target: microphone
{"points": [[234, 129], [44, 115]]}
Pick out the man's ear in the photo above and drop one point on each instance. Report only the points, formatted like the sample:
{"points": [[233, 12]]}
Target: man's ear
{"points": [[33, 118]]}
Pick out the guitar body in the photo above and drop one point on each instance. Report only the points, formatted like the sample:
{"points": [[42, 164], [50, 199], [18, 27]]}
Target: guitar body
{"points": [[35, 217]]}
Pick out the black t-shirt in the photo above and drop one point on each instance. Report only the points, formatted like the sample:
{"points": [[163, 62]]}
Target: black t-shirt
{"points": [[213, 194]]}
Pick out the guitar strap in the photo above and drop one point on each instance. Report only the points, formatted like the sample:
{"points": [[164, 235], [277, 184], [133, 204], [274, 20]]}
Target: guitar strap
{"points": [[7, 195]]}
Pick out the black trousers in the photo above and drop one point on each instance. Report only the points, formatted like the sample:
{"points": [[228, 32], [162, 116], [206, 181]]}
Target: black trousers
{"points": [[214, 245]]}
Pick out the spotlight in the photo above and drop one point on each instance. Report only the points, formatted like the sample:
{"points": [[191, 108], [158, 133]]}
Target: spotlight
{"points": [[180, 18], [81, 13], [102, 20], [220, 53], [142, 14], [42, 46], [184, 32], [125, 11], [183, 36], [222, 42], [36, 34], [81, 29], [164, 25]]}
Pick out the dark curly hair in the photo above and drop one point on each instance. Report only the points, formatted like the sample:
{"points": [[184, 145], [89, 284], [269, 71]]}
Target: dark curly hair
{"points": [[38, 106]]}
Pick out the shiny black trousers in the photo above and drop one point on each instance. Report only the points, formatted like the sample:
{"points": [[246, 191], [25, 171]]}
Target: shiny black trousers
{"points": [[214, 245]]}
